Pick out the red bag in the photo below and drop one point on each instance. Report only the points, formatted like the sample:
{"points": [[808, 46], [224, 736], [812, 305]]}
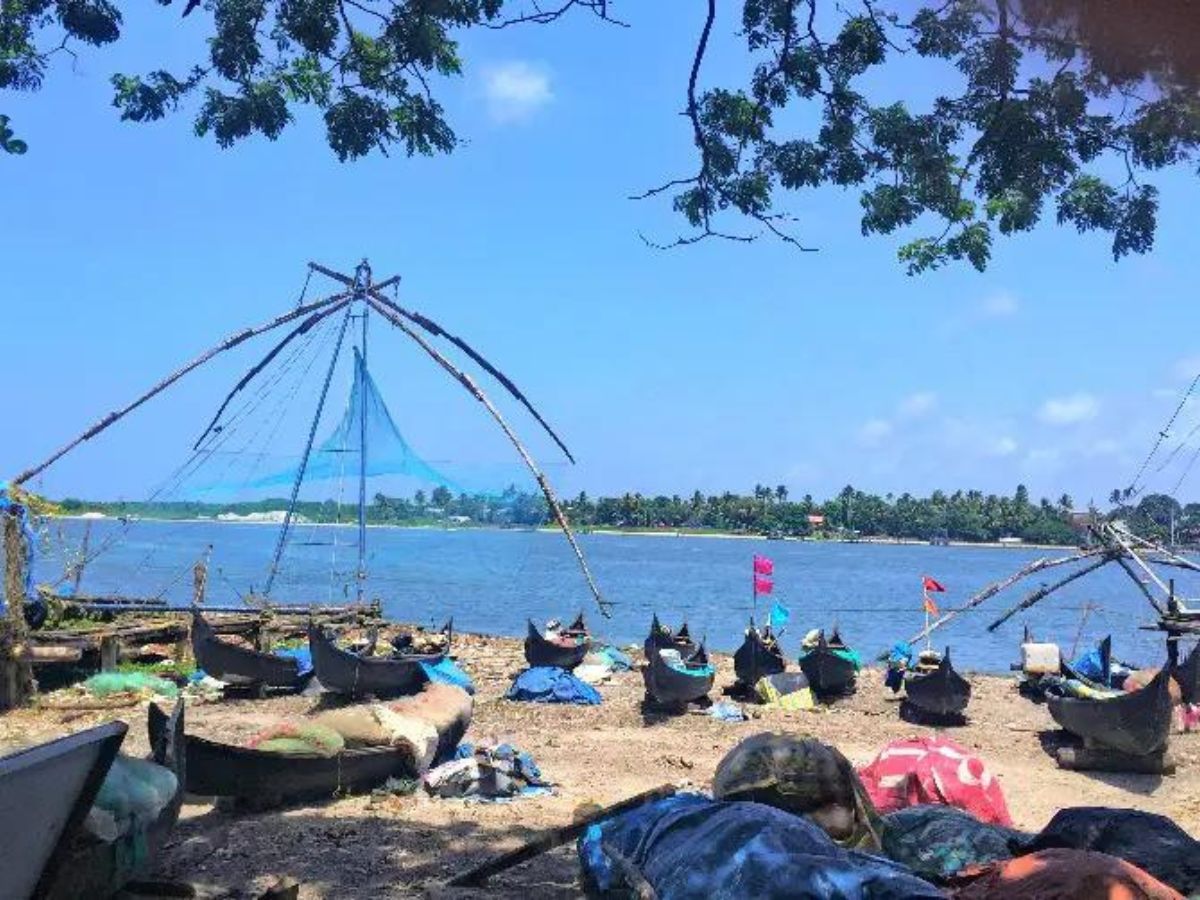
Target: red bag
{"points": [[934, 770], [1063, 875]]}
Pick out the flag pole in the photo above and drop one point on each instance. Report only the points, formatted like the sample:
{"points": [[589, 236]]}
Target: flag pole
{"points": [[925, 606]]}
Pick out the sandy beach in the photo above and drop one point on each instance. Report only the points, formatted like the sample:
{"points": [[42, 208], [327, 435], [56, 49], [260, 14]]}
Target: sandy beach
{"points": [[363, 847]]}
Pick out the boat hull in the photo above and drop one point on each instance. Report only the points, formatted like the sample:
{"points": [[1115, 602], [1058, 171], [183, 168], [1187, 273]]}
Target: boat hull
{"points": [[269, 779], [668, 686], [45, 793], [96, 868], [756, 659], [828, 674], [343, 672], [942, 693], [542, 652], [1188, 677], [1137, 723], [238, 665]]}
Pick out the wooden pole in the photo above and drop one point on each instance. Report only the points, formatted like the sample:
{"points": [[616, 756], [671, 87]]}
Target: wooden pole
{"points": [[16, 675], [469, 383], [229, 343], [1124, 563], [1040, 593], [996, 587], [556, 837]]}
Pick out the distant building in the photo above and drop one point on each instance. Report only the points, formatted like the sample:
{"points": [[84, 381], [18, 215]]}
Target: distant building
{"points": [[1010, 541], [458, 520], [815, 520]]}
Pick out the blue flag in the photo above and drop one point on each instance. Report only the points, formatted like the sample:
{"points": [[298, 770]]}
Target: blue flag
{"points": [[779, 616]]}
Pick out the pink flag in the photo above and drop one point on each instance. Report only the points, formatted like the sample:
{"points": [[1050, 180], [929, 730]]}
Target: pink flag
{"points": [[763, 585], [763, 566]]}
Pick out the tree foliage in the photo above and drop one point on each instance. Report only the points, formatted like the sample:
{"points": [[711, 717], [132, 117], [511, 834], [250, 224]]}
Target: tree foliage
{"points": [[1040, 102], [1045, 107], [368, 66]]}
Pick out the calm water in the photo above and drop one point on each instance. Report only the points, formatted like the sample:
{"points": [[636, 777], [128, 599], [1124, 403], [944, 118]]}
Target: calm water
{"points": [[491, 581]]}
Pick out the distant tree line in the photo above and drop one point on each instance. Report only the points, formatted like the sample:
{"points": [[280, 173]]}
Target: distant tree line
{"points": [[968, 516]]}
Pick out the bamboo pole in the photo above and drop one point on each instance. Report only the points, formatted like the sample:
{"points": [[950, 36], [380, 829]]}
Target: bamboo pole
{"points": [[1043, 592], [469, 383], [438, 331], [228, 344], [1124, 563], [996, 587]]}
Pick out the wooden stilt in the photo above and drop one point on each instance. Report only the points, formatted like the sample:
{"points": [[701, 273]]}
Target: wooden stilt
{"points": [[16, 674], [110, 653]]}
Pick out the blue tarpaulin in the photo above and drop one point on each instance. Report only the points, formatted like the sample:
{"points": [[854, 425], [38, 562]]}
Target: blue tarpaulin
{"points": [[446, 672], [689, 846], [302, 655], [550, 684]]}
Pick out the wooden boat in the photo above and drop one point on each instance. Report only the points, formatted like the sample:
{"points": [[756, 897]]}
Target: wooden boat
{"points": [[940, 692], [97, 868], [344, 672], [664, 638], [45, 793], [541, 651], [239, 665], [759, 655], [265, 779], [828, 674], [1136, 723], [1188, 677], [671, 685]]}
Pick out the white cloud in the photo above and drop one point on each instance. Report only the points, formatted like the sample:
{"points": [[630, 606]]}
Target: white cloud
{"points": [[516, 90], [999, 305], [1004, 446], [874, 431], [1187, 368], [1070, 410], [919, 404]]}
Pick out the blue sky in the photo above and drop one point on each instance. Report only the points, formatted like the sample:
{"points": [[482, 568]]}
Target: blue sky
{"points": [[128, 249]]}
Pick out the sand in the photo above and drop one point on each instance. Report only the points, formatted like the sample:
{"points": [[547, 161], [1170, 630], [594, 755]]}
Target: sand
{"points": [[361, 847]]}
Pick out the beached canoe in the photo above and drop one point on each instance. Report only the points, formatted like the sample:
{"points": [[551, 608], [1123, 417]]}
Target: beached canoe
{"points": [[355, 675], [240, 665], [46, 792], [98, 868], [267, 779], [940, 692], [759, 655], [829, 666], [565, 653], [1137, 723], [677, 684], [663, 638]]}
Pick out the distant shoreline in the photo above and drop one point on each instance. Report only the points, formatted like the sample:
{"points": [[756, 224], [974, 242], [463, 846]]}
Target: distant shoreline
{"points": [[608, 532]]}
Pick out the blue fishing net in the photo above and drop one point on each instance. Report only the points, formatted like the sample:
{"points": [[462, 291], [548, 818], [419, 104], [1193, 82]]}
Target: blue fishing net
{"points": [[368, 422]]}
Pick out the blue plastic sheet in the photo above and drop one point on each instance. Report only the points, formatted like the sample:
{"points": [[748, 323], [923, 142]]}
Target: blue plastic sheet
{"points": [[446, 672], [302, 655], [550, 684], [617, 660], [689, 846]]}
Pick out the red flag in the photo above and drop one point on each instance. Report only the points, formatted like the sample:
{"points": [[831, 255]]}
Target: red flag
{"points": [[763, 585], [931, 585], [763, 566], [930, 606]]}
